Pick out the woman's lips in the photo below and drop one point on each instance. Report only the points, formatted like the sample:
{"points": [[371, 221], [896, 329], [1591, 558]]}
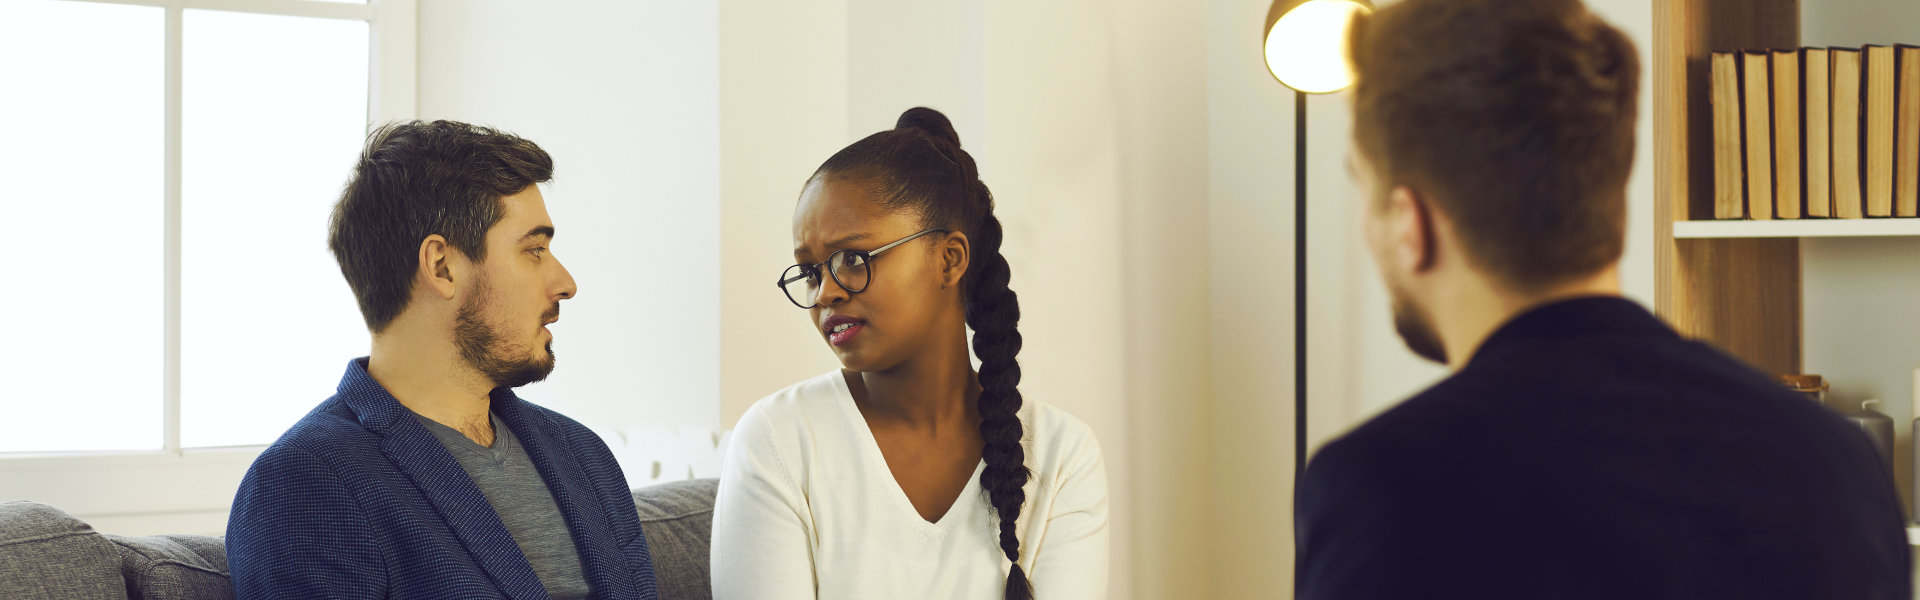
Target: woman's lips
{"points": [[845, 336]]}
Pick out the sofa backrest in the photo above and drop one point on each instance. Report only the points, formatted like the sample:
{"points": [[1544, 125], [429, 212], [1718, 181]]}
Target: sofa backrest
{"points": [[45, 553], [678, 520], [174, 567]]}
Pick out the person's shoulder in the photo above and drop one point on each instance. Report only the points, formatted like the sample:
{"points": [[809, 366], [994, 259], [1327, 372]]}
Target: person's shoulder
{"points": [[582, 442], [792, 418], [1056, 435], [1452, 408], [327, 447], [791, 408], [561, 422], [327, 428]]}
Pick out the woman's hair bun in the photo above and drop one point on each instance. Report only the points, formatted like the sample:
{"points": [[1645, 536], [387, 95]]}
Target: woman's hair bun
{"points": [[930, 121]]}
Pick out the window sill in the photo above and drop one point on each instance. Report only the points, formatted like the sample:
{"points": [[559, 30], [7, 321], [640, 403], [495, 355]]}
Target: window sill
{"points": [[133, 493]]}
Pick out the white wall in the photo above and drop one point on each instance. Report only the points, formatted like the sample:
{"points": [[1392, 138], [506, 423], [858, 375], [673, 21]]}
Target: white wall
{"points": [[1250, 308], [626, 97], [784, 102], [1861, 319]]}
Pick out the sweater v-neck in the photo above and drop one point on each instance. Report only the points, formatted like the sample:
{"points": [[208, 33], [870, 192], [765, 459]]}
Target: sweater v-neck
{"points": [[870, 449]]}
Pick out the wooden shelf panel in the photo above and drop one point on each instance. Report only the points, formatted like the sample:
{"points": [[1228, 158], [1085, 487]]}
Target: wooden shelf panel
{"points": [[1801, 228], [1740, 294]]}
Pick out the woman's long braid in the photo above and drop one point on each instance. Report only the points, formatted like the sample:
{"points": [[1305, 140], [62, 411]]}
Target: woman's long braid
{"points": [[920, 165], [993, 311]]}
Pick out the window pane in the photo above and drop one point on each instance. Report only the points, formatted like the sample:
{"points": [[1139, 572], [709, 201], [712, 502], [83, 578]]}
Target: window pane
{"points": [[84, 106], [274, 111]]}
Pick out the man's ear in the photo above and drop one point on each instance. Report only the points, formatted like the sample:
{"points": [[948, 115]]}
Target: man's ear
{"points": [[1411, 229], [956, 252], [436, 269]]}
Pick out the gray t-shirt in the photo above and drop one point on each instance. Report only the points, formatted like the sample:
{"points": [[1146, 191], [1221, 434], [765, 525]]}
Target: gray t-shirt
{"points": [[513, 486]]}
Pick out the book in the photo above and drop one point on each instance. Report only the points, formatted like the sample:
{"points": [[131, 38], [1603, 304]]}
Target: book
{"points": [[1729, 166], [1878, 185], [1819, 121], [1906, 143], [1756, 105], [1786, 134], [1847, 203]]}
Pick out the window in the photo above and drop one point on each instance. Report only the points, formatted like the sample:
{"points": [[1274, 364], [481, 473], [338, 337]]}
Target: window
{"points": [[273, 111], [87, 129], [170, 281]]}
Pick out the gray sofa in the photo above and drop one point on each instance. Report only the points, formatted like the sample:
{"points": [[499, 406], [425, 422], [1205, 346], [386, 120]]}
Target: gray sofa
{"points": [[46, 553]]}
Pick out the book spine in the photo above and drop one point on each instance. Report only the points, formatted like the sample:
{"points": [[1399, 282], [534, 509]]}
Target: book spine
{"points": [[1906, 183], [1819, 143], [1757, 103], [1787, 120], [1846, 88], [1729, 166], [1879, 131]]}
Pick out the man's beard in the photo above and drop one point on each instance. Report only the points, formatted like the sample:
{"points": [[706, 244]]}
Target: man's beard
{"points": [[481, 347], [1416, 330]]}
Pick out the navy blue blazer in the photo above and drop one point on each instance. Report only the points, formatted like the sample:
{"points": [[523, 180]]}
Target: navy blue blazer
{"points": [[358, 500], [1589, 452]]}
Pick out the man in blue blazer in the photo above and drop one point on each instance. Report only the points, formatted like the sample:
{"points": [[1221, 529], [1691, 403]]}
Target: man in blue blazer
{"points": [[424, 476]]}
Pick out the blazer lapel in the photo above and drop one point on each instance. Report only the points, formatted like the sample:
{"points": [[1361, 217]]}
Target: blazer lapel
{"points": [[573, 491], [464, 508], [444, 482]]}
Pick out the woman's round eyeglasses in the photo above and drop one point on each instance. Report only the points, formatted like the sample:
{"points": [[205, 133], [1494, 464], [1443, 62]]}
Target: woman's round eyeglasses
{"points": [[848, 267]]}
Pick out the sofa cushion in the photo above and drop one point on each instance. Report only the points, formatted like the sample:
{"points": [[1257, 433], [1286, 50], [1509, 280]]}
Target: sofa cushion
{"points": [[46, 553], [678, 520], [174, 567]]}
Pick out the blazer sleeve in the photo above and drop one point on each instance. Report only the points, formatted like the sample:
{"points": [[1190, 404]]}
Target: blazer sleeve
{"points": [[760, 521], [1071, 560], [296, 532]]}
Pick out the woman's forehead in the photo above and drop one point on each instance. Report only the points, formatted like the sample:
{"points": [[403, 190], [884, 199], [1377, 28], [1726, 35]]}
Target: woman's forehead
{"points": [[836, 212]]}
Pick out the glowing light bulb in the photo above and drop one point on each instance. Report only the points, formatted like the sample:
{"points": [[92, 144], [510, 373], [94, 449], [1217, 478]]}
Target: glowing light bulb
{"points": [[1306, 49]]}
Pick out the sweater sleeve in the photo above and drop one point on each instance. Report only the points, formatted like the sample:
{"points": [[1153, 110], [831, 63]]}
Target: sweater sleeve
{"points": [[760, 521], [296, 532], [1071, 560]]}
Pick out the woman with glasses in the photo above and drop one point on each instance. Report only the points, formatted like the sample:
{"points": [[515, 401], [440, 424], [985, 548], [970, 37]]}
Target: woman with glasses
{"points": [[907, 474]]}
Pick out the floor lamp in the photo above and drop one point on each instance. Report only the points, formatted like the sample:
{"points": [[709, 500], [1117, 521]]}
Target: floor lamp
{"points": [[1306, 50]]}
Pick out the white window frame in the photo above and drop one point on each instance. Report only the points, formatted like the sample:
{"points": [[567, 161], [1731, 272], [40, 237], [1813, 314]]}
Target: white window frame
{"points": [[175, 489]]}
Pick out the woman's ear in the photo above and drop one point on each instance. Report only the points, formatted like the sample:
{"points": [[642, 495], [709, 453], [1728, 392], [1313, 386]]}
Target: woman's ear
{"points": [[436, 268], [956, 252]]}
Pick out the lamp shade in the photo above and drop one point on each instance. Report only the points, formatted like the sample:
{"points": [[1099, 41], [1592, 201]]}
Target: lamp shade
{"points": [[1306, 43]]}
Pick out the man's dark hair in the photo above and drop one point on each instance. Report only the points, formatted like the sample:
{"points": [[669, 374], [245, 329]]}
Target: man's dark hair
{"points": [[1515, 118], [416, 179]]}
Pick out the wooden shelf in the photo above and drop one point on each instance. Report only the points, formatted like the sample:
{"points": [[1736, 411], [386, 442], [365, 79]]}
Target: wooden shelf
{"points": [[1801, 228], [1740, 293]]}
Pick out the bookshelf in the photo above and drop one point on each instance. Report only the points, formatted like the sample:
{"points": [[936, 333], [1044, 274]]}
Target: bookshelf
{"points": [[1734, 284], [1835, 296]]}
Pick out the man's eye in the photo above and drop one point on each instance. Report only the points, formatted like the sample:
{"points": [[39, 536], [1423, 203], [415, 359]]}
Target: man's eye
{"points": [[539, 251]]}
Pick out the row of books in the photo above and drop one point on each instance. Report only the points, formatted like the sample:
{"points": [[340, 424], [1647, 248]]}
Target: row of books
{"points": [[1816, 133]]}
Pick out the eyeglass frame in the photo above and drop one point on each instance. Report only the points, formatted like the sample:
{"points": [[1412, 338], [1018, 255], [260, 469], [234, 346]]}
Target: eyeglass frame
{"points": [[870, 255]]}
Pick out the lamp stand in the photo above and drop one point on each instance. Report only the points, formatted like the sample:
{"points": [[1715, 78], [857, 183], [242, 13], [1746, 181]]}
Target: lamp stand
{"points": [[1299, 285]]}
